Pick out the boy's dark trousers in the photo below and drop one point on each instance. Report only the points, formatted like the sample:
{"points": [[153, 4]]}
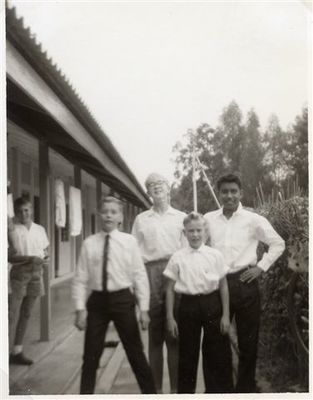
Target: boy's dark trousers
{"points": [[245, 306], [197, 312], [118, 307]]}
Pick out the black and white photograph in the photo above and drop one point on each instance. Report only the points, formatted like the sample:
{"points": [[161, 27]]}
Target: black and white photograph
{"points": [[155, 198]]}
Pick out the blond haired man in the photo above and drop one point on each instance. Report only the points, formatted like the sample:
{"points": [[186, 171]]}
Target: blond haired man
{"points": [[159, 232]]}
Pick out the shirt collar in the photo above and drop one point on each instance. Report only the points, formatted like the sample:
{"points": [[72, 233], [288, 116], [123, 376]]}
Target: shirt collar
{"points": [[112, 233], [237, 212], [219, 211], [170, 210], [200, 249], [25, 227], [239, 209]]}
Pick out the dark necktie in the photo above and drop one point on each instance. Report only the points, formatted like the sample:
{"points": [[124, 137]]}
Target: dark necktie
{"points": [[105, 263]]}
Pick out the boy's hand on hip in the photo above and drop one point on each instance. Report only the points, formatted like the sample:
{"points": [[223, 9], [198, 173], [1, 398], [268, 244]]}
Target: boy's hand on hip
{"points": [[37, 260], [250, 274], [80, 320], [225, 324], [144, 320], [172, 327]]}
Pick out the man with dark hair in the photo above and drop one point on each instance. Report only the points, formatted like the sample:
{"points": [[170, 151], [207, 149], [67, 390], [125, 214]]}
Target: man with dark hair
{"points": [[28, 253], [236, 232], [230, 178]]}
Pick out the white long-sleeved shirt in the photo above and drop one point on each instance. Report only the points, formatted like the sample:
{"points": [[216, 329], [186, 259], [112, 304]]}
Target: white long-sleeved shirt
{"points": [[237, 238], [125, 268], [159, 235], [196, 271]]}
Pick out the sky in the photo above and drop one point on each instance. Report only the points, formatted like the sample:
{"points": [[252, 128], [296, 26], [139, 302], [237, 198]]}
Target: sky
{"points": [[150, 71]]}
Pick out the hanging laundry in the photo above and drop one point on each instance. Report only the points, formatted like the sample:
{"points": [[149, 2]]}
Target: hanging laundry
{"points": [[10, 206], [60, 203], [75, 211]]}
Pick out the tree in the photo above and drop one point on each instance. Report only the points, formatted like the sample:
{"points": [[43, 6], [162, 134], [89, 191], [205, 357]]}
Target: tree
{"points": [[251, 162], [219, 151], [297, 148], [234, 147], [276, 167], [207, 149], [230, 134]]}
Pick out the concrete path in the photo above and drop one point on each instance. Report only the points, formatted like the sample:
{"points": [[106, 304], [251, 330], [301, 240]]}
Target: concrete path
{"points": [[125, 382], [58, 371], [62, 319], [57, 366]]}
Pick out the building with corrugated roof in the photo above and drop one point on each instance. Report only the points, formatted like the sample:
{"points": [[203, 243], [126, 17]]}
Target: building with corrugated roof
{"points": [[51, 135]]}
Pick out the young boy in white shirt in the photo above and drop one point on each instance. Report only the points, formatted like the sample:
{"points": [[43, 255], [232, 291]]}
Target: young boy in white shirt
{"points": [[28, 253], [198, 273], [110, 265]]}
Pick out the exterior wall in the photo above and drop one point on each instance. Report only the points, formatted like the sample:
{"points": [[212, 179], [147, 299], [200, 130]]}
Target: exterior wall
{"points": [[23, 150], [33, 168], [23, 165], [22, 74], [23, 155]]}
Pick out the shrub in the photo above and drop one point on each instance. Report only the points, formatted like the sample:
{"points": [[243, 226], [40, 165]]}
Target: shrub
{"points": [[280, 354]]}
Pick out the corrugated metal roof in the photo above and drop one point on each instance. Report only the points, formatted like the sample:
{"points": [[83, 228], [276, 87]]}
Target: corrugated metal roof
{"points": [[27, 44]]}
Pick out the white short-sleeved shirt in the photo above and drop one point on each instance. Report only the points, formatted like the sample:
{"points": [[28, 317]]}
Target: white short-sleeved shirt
{"points": [[29, 242], [196, 271], [159, 235]]}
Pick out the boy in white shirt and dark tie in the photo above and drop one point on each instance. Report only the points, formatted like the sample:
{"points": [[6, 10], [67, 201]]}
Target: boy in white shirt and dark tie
{"points": [[110, 265], [198, 273], [236, 232]]}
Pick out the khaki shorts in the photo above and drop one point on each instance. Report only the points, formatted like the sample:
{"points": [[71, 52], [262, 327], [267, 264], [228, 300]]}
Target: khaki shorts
{"points": [[26, 280]]}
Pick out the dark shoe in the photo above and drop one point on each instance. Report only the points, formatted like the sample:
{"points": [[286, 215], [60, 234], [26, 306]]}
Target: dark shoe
{"points": [[20, 359]]}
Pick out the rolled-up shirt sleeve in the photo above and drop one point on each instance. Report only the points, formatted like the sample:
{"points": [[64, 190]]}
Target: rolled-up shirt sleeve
{"points": [[172, 269], [266, 233], [140, 279], [45, 240], [80, 281]]}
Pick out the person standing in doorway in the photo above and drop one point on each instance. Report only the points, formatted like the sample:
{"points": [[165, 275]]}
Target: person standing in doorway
{"points": [[159, 232], [28, 252], [236, 232]]}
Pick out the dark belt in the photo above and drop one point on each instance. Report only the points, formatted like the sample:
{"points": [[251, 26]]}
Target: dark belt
{"points": [[200, 295], [113, 293]]}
